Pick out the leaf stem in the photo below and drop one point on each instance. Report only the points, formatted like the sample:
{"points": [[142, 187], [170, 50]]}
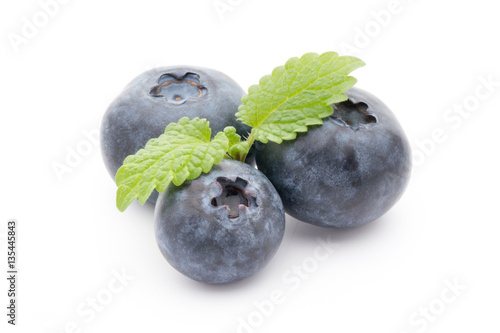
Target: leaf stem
{"points": [[250, 140]]}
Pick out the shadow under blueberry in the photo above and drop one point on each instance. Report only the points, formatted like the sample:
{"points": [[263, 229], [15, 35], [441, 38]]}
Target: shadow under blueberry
{"points": [[305, 232]]}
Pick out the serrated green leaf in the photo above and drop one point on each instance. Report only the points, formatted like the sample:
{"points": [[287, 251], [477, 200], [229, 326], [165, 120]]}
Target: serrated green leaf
{"points": [[297, 95], [182, 153], [232, 136], [237, 149]]}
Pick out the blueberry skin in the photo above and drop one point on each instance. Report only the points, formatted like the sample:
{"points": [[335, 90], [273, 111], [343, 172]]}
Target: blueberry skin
{"points": [[202, 242], [145, 108], [336, 176]]}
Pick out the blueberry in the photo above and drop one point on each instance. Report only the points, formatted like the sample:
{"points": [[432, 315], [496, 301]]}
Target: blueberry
{"points": [[161, 96], [221, 227], [345, 173]]}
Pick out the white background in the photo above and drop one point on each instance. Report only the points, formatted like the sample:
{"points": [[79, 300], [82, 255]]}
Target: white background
{"points": [[423, 59]]}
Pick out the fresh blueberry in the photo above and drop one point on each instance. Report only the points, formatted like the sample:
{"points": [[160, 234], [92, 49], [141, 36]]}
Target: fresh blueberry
{"points": [[161, 96], [221, 227], [345, 173]]}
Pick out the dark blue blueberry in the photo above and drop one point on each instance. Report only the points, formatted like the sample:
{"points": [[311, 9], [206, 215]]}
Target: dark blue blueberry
{"points": [[222, 227], [345, 173], [161, 96]]}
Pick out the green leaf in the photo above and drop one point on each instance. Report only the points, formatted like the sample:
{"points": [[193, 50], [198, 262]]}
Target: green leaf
{"points": [[237, 149], [297, 95], [181, 153], [233, 137]]}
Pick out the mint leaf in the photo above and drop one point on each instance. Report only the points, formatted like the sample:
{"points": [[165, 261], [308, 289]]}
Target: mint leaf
{"points": [[297, 95], [233, 137], [237, 149], [181, 153], [294, 96]]}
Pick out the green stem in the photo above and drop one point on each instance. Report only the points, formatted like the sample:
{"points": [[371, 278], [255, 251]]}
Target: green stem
{"points": [[250, 140]]}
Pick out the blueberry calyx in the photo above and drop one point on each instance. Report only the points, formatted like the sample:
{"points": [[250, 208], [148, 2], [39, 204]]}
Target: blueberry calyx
{"points": [[352, 115], [233, 195], [177, 90]]}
